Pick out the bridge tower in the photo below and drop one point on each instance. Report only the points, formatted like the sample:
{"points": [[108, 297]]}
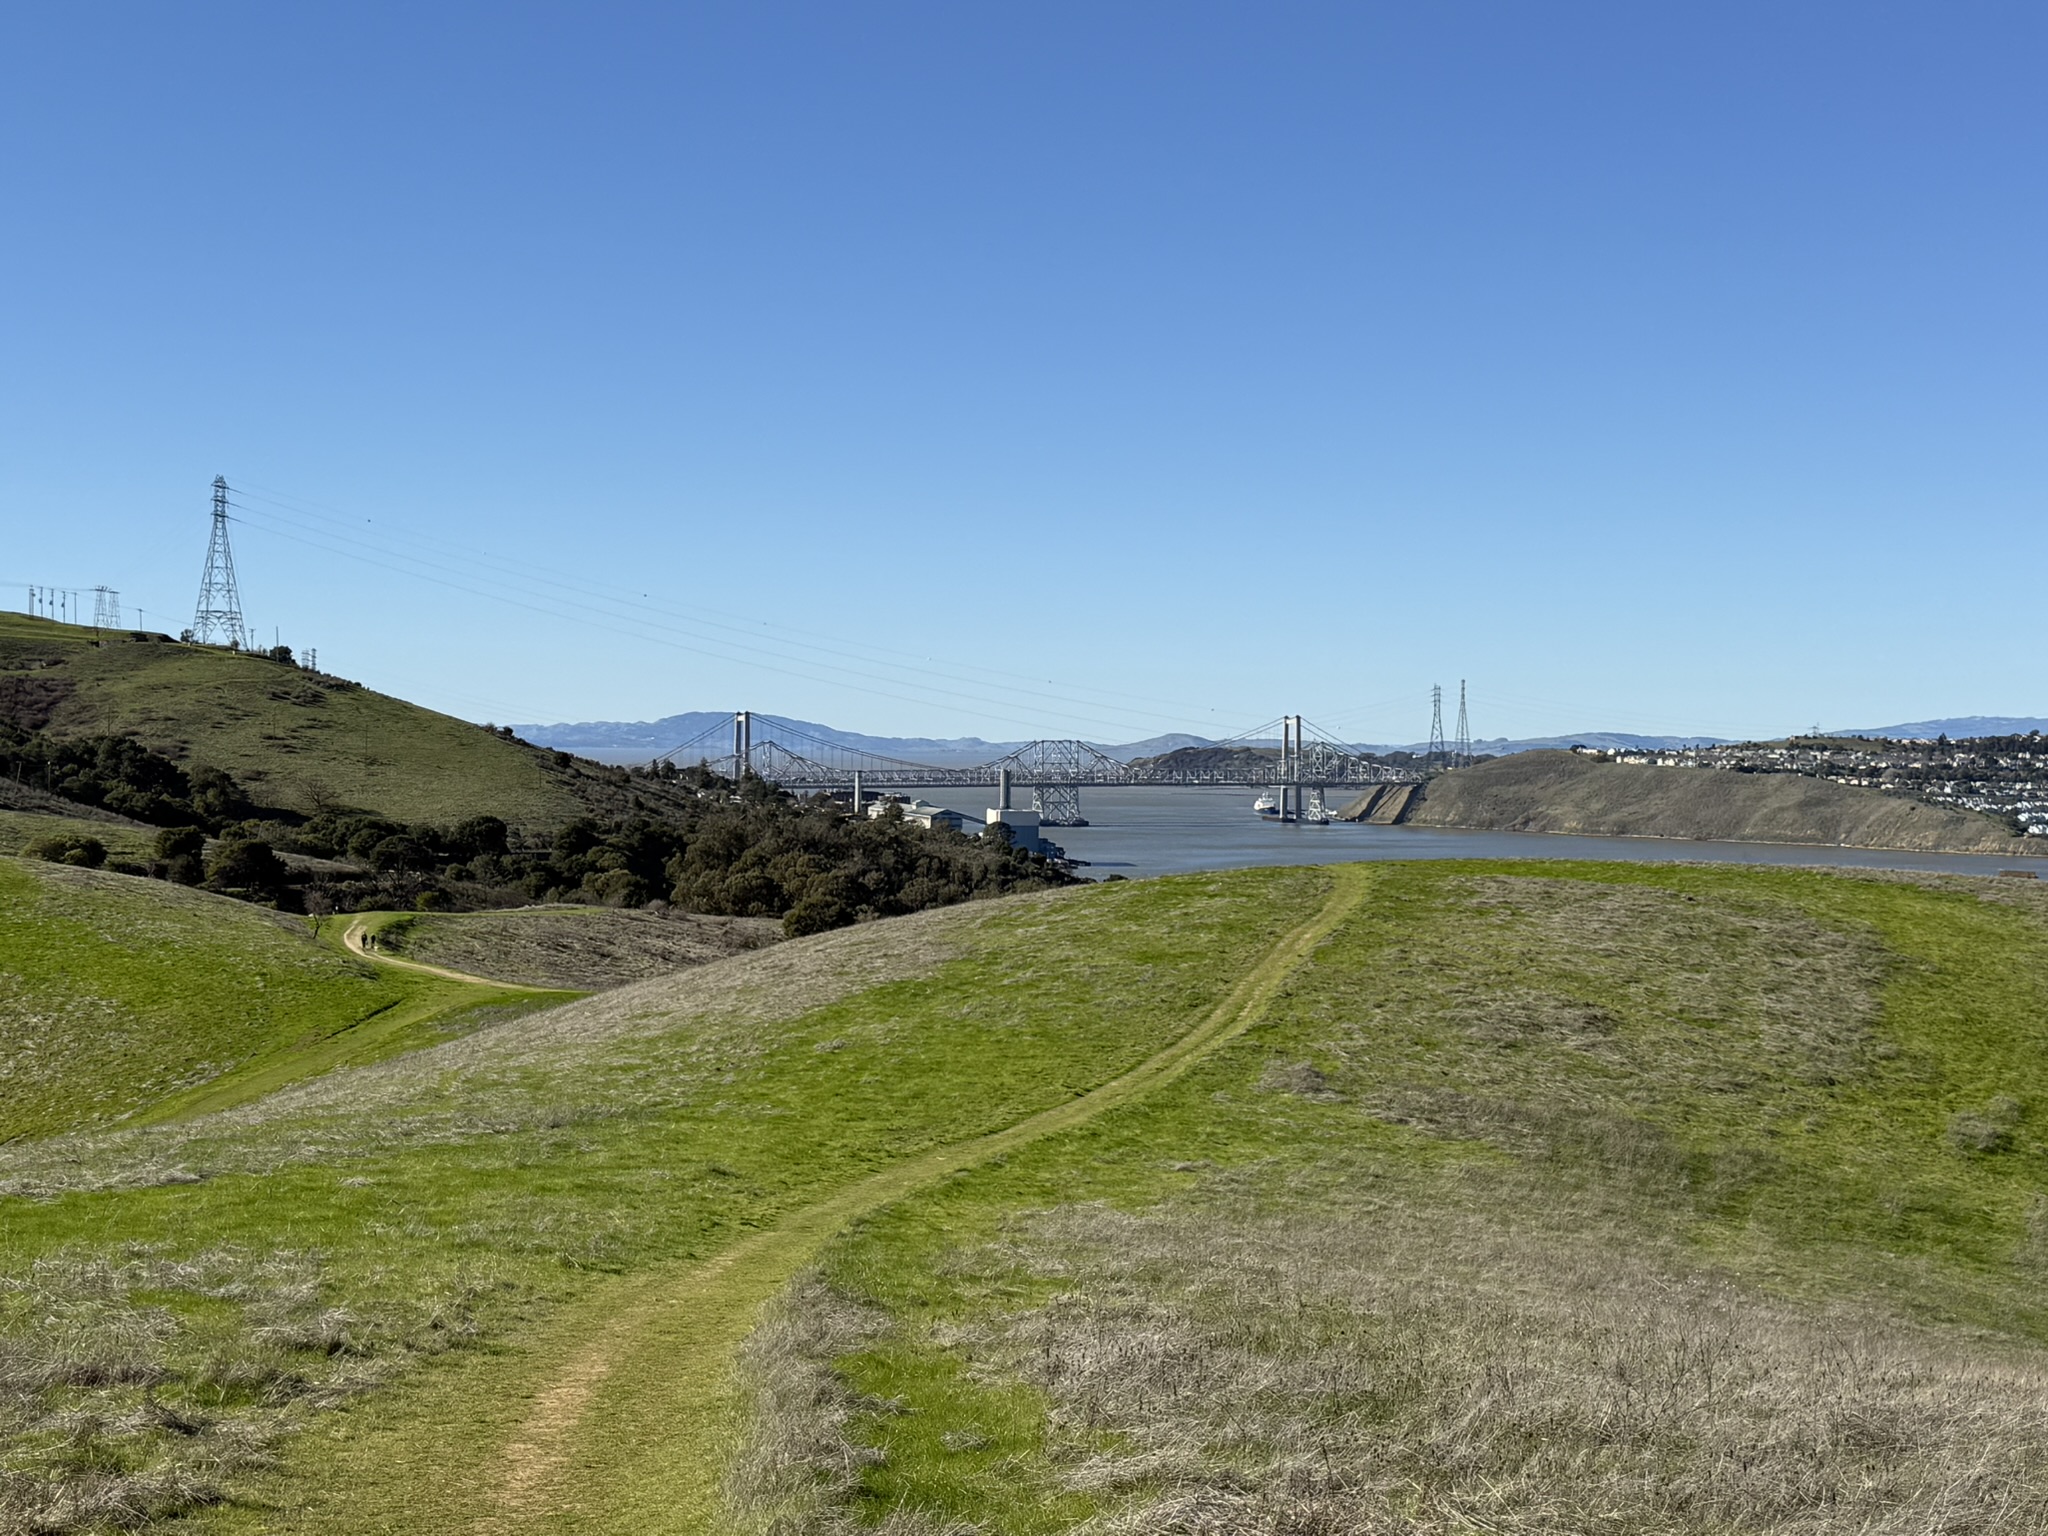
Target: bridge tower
{"points": [[742, 743], [1057, 796]]}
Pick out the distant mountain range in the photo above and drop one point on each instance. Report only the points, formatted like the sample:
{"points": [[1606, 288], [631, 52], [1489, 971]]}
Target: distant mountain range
{"points": [[1959, 728], [709, 734], [636, 740]]}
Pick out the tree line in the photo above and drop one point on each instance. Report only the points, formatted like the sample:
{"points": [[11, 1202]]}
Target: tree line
{"points": [[731, 848]]}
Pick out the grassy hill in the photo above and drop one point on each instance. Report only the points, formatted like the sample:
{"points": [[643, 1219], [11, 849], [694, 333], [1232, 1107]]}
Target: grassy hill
{"points": [[1507, 1197], [1569, 792], [300, 741], [583, 948], [122, 997]]}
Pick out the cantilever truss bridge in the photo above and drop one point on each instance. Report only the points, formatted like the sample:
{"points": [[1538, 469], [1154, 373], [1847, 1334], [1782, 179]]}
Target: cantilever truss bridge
{"points": [[1055, 771]]}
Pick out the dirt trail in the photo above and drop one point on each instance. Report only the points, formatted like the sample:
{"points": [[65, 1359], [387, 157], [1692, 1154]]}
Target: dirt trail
{"points": [[355, 938], [632, 1431]]}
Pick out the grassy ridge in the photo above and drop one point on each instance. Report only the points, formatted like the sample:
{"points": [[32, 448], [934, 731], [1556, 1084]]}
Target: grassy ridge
{"points": [[122, 997], [571, 946], [300, 743], [1566, 792]]}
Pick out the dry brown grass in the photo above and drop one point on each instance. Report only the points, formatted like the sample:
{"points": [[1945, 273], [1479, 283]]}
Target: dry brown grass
{"points": [[1572, 1009], [1386, 1372], [581, 949], [800, 1461]]}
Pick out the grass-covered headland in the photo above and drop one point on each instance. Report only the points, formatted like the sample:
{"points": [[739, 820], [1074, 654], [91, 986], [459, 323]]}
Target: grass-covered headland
{"points": [[1512, 1198]]}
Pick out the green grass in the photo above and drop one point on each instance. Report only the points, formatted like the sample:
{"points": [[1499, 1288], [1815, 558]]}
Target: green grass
{"points": [[522, 1167], [19, 829], [124, 999], [297, 743], [1514, 1153]]}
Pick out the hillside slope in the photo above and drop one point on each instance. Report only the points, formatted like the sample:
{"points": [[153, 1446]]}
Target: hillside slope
{"points": [[300, 741], [123, 996], [1408, 1197], [1568, 792]]}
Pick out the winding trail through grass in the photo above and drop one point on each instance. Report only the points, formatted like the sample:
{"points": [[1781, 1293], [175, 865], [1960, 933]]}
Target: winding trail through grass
{"points": [[355, 938], [631, 1430]]}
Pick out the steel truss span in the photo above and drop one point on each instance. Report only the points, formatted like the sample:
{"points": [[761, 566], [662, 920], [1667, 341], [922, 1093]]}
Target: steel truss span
{"points": [[1055, 770]]}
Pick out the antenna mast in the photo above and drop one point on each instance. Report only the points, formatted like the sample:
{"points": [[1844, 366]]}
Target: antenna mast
{"points": [[218, 620]]}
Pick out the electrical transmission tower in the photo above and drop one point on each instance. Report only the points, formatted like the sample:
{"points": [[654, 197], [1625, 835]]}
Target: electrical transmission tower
{"points": [[1461, 748], [218, 620], [1437, 755], [106, 608]]}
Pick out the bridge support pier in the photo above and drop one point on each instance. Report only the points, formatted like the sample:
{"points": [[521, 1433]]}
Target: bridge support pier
{"points": [[1058, 805]]}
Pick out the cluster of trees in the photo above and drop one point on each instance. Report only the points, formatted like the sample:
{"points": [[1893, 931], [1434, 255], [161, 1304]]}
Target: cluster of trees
{"points": [[742, 850], [236, 865], [118, 773]]}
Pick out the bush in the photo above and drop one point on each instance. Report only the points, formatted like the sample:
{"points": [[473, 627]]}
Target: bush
{"points": [[70, 848]]}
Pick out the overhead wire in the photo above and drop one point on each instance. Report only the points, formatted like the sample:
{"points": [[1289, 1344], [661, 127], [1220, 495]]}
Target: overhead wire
{"points": [[755, 628], [423, 569]]}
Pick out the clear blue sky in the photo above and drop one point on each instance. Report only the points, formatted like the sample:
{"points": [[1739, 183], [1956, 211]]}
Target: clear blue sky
{"points": [[1104, 369]]}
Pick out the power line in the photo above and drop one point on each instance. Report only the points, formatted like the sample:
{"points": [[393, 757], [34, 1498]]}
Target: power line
{"points": [[666, 635], [758, 633]]}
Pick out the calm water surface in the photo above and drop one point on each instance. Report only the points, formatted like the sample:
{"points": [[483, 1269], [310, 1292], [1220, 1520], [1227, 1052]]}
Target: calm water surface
{"points": [[1138, 832]]}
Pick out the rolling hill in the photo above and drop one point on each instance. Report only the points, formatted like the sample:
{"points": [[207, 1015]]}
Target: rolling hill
{"points": [[1569, 792], [300, 741], [122, 997], [1408, 1197]]}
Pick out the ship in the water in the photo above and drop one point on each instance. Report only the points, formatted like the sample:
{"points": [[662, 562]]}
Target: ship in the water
{"points": [[1269, 807]]}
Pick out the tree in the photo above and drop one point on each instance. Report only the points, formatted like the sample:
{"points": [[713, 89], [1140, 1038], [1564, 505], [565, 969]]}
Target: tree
{"points": [[179, 850], [245, 864], [319, 907]]}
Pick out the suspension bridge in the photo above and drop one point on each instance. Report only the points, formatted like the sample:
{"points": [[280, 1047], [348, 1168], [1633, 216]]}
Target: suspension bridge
{"points": [[1308, 764]]}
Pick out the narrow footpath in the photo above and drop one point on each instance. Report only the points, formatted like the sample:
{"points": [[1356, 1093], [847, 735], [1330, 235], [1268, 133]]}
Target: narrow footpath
{"points": [[355, 938], [632, 1432]]}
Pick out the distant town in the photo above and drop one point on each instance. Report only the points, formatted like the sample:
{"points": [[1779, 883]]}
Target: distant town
{"points": [[2002, 776]]}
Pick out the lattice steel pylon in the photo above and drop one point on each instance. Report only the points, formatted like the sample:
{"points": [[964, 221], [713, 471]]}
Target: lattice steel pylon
{"points": [[218, 619], [1437, 754], [1461, 746], [106, 608]]}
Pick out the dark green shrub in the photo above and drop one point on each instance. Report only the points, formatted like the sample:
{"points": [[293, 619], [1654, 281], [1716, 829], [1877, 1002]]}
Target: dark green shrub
{"points": [[70, 848], [179, 850]]}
